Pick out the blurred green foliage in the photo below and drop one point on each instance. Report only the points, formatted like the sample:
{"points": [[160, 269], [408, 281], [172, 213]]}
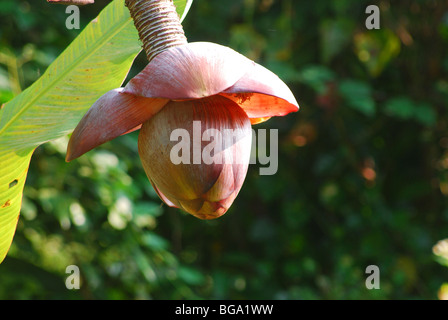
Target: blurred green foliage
{"points": [[362, 179]]}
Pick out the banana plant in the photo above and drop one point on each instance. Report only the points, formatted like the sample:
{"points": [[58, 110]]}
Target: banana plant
{"points": [[186, 83], [97, 61]]}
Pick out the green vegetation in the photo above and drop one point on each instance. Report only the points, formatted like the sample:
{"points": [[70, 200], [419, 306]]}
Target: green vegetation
{"points": [[362, 179]]}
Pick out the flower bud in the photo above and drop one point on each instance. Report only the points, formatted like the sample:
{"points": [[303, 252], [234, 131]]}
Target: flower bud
{"points": [[196, 154]]}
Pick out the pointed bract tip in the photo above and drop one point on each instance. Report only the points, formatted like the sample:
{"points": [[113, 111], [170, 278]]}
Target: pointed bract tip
{"points": [[113, 114]]}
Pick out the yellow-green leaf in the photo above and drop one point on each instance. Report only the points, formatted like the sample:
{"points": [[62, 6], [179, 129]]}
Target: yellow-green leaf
{"points": [[97, 61]]}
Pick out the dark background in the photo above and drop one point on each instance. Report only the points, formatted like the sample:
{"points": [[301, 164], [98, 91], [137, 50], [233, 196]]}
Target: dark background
{"points": [[362, 176]]}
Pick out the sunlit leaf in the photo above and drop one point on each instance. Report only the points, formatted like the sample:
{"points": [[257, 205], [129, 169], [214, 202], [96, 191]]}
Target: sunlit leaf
{"points": [[376, 48], [97, 61], [190, 276]]}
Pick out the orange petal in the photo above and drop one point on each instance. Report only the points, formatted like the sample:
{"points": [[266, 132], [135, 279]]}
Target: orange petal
{"points": [[262, 94], [133, 129], [113, 114], [259, 120], [194, 70]]}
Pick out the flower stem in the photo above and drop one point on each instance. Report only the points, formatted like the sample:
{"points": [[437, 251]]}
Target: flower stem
{"points": [[158, 25]]}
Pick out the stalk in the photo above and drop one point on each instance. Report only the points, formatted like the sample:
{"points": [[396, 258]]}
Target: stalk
{"points": [[158, 25]]}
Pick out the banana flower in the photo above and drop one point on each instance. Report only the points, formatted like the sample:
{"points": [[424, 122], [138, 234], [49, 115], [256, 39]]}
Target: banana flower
{"points": [[183, 84]]}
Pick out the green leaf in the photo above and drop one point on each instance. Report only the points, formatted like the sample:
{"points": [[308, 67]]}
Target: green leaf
{"points": [[317, 77], [154, 241], [358, 96], [404, 108], [425, 114], [190, 276], [182, 7], [97, 61], [376, 49], [399, 107], [335, 35]]}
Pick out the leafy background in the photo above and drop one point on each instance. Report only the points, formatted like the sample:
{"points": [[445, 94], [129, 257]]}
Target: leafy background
{"points": [[363, 166]]}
